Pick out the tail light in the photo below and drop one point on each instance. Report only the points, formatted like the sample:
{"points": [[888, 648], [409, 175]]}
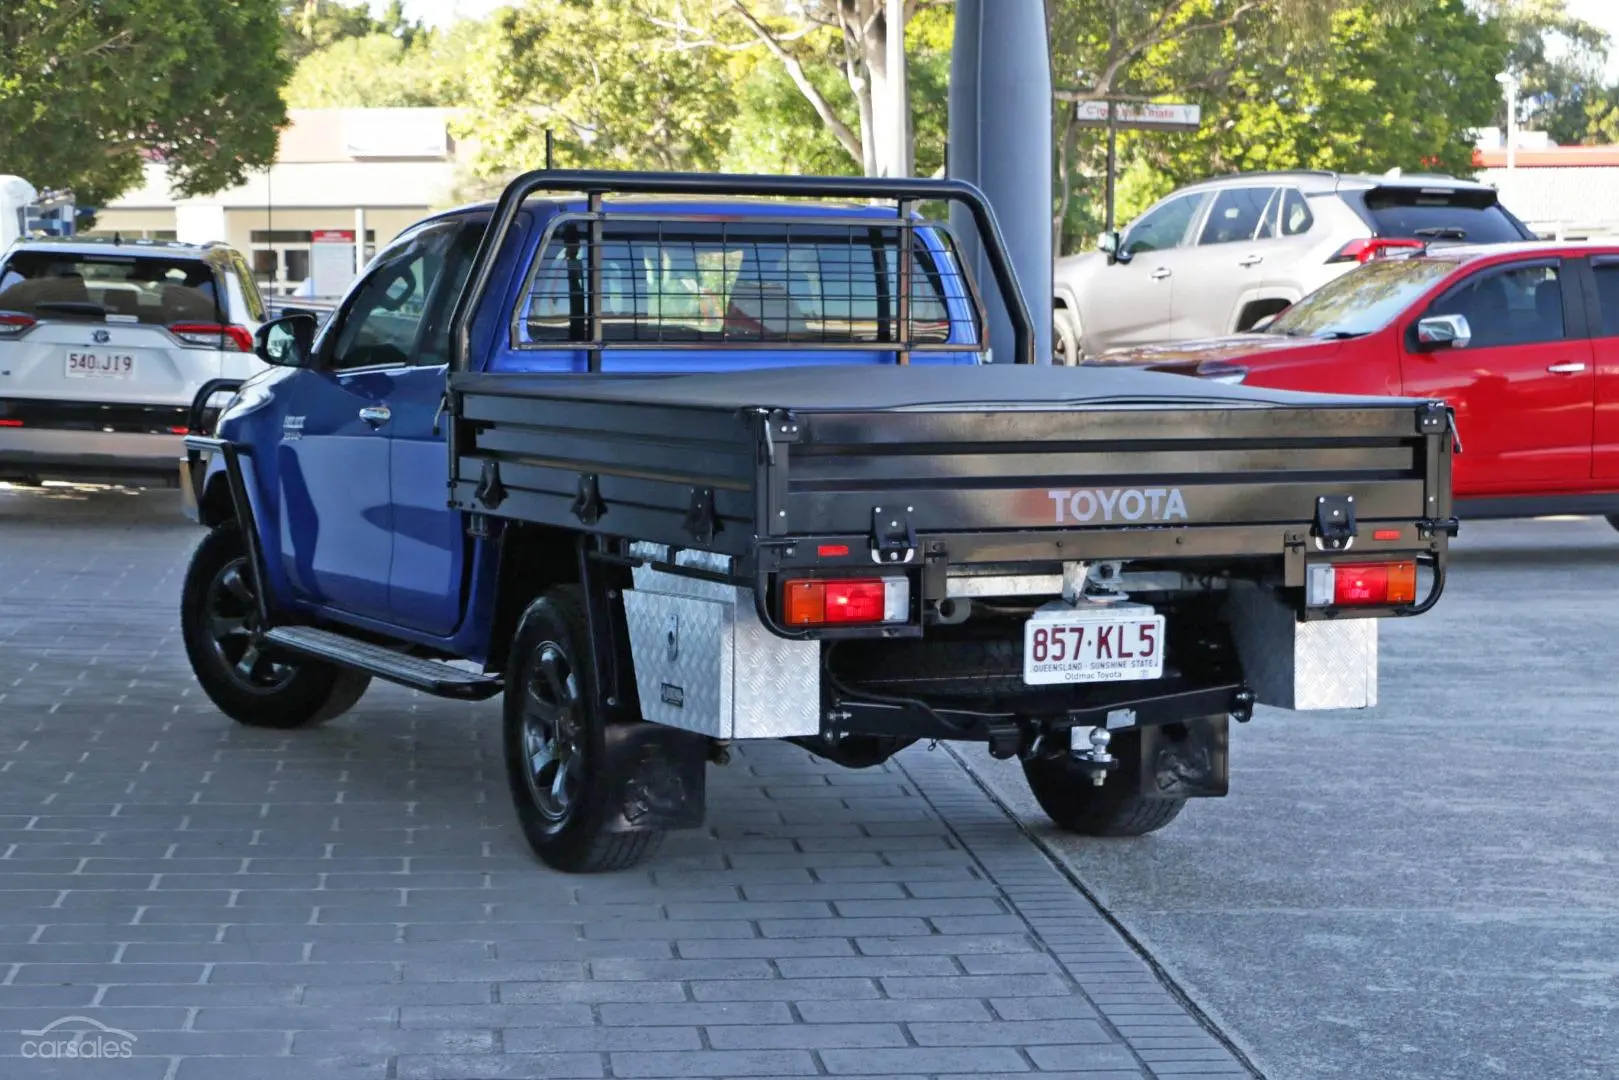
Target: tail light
{"points": [[214, 336], [14, 322], [1362, 584], [1368, 248], [844, 602]]}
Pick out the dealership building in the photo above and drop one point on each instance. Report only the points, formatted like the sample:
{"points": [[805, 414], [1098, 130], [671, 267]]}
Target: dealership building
{"points": [[345, 181]]}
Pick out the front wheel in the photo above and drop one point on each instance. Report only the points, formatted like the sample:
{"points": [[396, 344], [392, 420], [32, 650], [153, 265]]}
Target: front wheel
{"points": [[556, 758], [1066, 345], [220, 627], [1065, 791]]}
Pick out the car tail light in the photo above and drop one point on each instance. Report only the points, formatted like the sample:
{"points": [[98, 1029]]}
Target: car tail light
{"points": [[14, 322], [825, 602], [214, 336], [1368, 248], [1362, 584]]}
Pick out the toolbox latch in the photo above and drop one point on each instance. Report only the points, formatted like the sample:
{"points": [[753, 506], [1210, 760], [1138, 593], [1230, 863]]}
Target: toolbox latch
{"points": [[892, 538], [701, 520], [490, 491], [1334, 522], [588, 505]]}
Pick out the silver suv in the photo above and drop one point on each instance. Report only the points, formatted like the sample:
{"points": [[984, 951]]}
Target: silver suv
{"points": [[1218, 256]]}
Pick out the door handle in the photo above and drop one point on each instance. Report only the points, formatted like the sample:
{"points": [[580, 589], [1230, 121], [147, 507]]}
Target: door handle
{"points": [[1566, 369], [1250, 260], [375, 415], [1159, 274]]}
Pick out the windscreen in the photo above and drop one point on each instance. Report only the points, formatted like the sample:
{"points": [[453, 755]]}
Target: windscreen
{"points": [[1362, 301], [97, 287], [1440, 214], [730, 282]]}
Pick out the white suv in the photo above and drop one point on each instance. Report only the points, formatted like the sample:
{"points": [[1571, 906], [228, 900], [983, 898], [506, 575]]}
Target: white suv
{"points": [[1216, 257], [103, 345]]}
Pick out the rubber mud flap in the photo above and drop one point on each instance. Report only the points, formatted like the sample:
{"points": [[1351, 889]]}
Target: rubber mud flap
{"points": [[1186, 761], [665, 773]]}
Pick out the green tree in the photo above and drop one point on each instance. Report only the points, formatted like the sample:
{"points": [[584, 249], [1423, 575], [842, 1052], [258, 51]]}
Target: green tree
{"points": [[1274, 97], [383, 70], [608, 80], [1559, 62], [91, 89], [307, 26]]}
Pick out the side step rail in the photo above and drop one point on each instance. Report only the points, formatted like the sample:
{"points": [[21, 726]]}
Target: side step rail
{"points": [[429, 676]]}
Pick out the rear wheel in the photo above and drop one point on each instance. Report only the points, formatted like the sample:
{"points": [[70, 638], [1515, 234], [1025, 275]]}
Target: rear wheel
{"points": [[1064, 790], [1066, 345], [252, 685], [561, 785]]}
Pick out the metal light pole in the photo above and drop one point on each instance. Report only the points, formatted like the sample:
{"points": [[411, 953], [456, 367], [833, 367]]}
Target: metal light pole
{"points": [[1509, 83]]}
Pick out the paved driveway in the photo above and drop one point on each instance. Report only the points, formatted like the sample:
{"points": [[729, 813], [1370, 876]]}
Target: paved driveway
{"points": [[355, 902], [1430, 889]]}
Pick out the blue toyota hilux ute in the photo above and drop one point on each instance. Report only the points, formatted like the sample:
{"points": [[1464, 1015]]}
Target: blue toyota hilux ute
{"points": [[672, 461]]}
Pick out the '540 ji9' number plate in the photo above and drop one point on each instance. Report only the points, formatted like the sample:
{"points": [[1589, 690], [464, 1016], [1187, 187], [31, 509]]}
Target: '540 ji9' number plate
{"points": [[1109, 645]]}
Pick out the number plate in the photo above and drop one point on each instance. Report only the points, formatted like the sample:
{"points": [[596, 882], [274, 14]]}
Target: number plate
{"points": [[99, 365], [1093, 646]]}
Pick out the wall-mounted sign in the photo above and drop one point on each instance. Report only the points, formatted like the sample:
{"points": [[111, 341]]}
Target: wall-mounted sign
{"points": [[1140, 115]]}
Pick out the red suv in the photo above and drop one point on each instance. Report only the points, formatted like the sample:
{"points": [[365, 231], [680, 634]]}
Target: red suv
{"points": [[1522, 339]]}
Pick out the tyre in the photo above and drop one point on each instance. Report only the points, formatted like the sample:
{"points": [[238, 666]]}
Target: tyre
{"points": [[1073, 803], [253, 686], [1065, 341], [561, 785]]}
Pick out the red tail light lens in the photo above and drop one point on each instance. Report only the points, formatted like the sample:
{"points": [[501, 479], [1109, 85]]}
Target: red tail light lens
{"points": [[821, 602], [14, 322], [1368, 248], [1362, 584], [214, 336]]}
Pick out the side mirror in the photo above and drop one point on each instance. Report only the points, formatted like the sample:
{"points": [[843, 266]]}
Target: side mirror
{"points": [[1108, 244], [287, 341], [1442, 331]]}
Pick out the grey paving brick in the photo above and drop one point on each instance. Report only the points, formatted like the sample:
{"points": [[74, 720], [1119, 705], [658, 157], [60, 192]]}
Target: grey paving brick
{"points": [[499, 1067], [572, 1014], [934, 1060], [843, 928], [947, 944], [804, 1036], [242, 1068], [1168, 1069], [669, 929], [977, 986], [716, 1063], [784, 989], [551, 1039], [488, 971], [696, 1013], [890, 1011], [765, 947], [79, 974], [399, 994], [306, 974], [294, 1018], [402, 1041], [872, 967], [199, 996], [593, 992], [682, 969], [1009, 1033]]}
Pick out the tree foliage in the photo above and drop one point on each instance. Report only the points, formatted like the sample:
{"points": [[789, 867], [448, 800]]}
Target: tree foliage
{"points": [[1315, 89], [607, 79], [388, 70], [91, 89]]}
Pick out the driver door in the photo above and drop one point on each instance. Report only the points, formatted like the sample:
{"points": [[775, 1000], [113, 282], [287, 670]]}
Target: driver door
{"points": [[1133, 305], [336, 519]]}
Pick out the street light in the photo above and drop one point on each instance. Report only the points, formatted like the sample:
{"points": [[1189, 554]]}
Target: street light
{"points": [[1509, 83]]}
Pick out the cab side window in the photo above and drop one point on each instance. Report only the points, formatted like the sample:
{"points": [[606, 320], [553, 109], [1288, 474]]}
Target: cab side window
{"points": [[1607, 279], [1296, 216], [384, 315], [1164, 226], [1519, 305]]}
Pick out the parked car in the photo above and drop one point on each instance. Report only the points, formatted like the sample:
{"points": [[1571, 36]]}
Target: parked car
{"points": [[661, 457], [1217, 257], [103, 346], [1522, 340]]}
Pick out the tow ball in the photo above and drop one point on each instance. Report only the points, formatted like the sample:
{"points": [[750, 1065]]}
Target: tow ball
{"points": [[1088, 747]]}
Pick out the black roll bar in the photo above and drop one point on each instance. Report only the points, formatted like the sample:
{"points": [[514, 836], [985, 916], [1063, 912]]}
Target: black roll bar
{"points": [[594, 184]]}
